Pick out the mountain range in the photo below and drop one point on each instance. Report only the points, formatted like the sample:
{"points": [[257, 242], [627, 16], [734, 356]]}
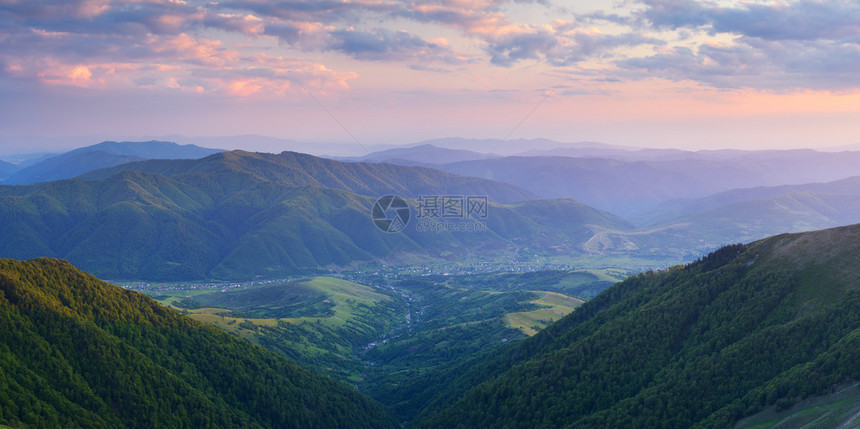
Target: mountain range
{"points": [[682, 207], [627, 188], [102, 155], [686, 227], [635, 183], [245, 215], [742, 215], [424, 154], [240, 214], [513, 147], [296, 169]]}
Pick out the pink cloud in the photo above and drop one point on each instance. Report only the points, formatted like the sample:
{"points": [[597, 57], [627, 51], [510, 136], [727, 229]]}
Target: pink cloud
{"points": [[92, 8], [54, 73], [187, 48], [267, 75]]}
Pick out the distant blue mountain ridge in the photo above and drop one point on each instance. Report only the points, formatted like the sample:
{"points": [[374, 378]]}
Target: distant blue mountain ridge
{"points": [[102, 155]]}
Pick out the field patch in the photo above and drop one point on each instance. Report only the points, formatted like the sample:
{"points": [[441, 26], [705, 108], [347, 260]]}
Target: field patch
{"points": [[553, 305]]}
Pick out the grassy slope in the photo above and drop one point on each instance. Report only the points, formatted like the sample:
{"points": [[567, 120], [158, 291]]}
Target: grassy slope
{"points": [[553, 305], [342, 304], [319, 321]]}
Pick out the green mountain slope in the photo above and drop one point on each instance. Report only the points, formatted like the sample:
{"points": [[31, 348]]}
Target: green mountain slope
{"points": [[77, 352], [299, 169], [240, 215], [748, 327], [103, 155]]}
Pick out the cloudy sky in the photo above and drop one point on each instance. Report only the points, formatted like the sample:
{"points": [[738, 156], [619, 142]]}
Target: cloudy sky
{"points": [[661, 73]]}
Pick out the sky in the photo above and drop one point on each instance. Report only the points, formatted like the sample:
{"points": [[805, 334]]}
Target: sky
{"points": [[687, 74]]}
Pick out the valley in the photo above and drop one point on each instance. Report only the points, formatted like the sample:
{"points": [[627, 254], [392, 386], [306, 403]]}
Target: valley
{"points": [[390, 336]]}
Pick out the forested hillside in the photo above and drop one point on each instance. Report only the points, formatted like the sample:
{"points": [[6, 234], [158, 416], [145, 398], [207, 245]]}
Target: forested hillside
{"points": [[77, 352], [748, 327]]}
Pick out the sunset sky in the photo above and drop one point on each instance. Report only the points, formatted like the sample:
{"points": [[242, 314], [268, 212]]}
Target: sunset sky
{"points": [[658, 73]]}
